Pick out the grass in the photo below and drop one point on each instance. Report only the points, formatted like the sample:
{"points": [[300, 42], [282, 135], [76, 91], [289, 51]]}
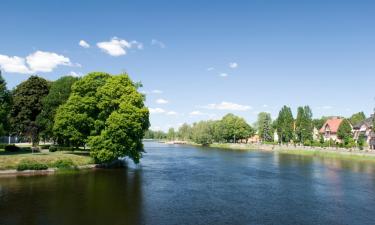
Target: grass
{"points": [[12, 160], [303, 152]]}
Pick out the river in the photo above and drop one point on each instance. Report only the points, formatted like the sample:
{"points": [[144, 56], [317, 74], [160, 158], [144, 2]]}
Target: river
{"points": [[176, 184]]}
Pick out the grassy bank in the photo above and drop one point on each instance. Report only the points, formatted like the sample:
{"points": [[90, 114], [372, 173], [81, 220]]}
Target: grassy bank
{"points": [[10, 160], [322, 153]]}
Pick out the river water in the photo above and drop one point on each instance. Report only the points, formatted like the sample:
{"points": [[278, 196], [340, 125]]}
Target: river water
{"points": [[190, 185]]}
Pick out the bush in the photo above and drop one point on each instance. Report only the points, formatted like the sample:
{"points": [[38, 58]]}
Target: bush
{"points": [[64, 164], [2, 146], [44, 146], [30, 165], [52, 148], [12, 148]]}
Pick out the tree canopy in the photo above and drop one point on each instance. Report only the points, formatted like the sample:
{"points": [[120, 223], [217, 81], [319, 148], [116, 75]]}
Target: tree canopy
{"points": [[357, 118], [27, 104], [304, 124], [285, 125], [58, 94], [5, 105], [264, 126], [345, 131]]}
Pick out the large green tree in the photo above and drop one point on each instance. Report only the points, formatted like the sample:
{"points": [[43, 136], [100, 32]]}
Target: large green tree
{"points": [[285, 125], [264, 126], [27, 104], [304, 124], [357, 118], [235, 128], [184, 132], [106, 112], [345, 131], [59, 93], [5, 104], [202, 132]]}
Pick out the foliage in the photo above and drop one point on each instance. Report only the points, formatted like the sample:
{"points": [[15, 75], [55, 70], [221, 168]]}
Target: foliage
{"points": [[52, 148], [121, 123], [361, 141], [31, 165], [357, 118], [27, 104], [58, 94], [5, 105], [345, 131], [64, 164], [184, 132], [318, 123], [235, 128], [304, 124], [12, 148], [202, 132], [158, 135], [171, 135], [264, 126], [285, 125]]}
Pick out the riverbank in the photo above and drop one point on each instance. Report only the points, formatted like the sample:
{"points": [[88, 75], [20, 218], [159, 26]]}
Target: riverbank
{"points": [[350, 154], [9, 161]]}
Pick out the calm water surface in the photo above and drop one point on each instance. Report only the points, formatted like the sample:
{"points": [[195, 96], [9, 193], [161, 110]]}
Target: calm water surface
{"points": [[189, 185]]}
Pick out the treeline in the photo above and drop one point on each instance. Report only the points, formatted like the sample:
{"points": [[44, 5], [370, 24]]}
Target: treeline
{"points": [[284, 129], [102, 111]]}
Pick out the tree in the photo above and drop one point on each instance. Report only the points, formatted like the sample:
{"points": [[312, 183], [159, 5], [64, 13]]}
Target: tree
{"points": [[318, 123], [264, 126], [285, 125], [202, 132], [184, 132], [235, 128], [304, 125], [171, 135], [78, 117], [345, 131], [27, 104], [5, 105], [357, 118], [59, 93]]}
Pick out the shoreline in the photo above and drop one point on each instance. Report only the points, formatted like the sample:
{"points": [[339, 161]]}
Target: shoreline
{"points": [[364, 155]]}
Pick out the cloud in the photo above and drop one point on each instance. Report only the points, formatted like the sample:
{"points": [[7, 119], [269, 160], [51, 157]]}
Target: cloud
{"points": [[156, 110], [117, 46], [157, 43], [38, 61], [228, 106], [84, 44], [223, 74], [46, 61], [74, 74], [196, 113], [156, 91], [13, 64], [210, 69], [233, 65], [172, 113], [326, 107], [161, 101]]}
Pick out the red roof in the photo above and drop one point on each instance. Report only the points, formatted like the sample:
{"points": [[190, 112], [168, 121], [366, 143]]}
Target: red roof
{"points": [[333, 124]]}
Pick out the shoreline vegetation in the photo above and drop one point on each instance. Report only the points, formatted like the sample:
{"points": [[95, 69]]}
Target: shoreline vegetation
{"points": [[339, 153]]}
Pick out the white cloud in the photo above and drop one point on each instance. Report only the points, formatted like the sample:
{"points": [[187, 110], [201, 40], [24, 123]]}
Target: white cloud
{"points": [[74, 74], [228, 106], [157, 43], [46, 61], [172, 113], [157, 91], [118, 47], [156, 110], [161, 101], [265, 106], [38, 61], [210, 68], [326, 107], [223, 74], [84, 44], [196, 113], [13, 64], [233, 65]]}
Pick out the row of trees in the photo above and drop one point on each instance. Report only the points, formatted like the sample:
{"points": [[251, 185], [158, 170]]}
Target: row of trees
{"points": [[232, 128], [102, 111]]}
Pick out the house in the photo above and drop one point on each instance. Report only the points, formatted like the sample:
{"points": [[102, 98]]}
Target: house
{"points": [[330, 128], [365, 128]]}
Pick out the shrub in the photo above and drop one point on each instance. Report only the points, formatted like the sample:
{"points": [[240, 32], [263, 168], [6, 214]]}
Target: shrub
{"points": [[12, 148], [307, 143], [64, 164], [2, 146], [52, 148], [30, 165], [44, 146]]}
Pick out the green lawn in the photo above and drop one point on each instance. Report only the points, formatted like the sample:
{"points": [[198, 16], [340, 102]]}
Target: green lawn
{"points": [[11, 160]]}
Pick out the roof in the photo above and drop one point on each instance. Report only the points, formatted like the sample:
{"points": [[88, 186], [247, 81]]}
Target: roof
{"points": [[333, 124], [368, 122]]}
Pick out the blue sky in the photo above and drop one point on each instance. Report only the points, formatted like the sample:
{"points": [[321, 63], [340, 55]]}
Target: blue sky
{"points": [[202, 59]]}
